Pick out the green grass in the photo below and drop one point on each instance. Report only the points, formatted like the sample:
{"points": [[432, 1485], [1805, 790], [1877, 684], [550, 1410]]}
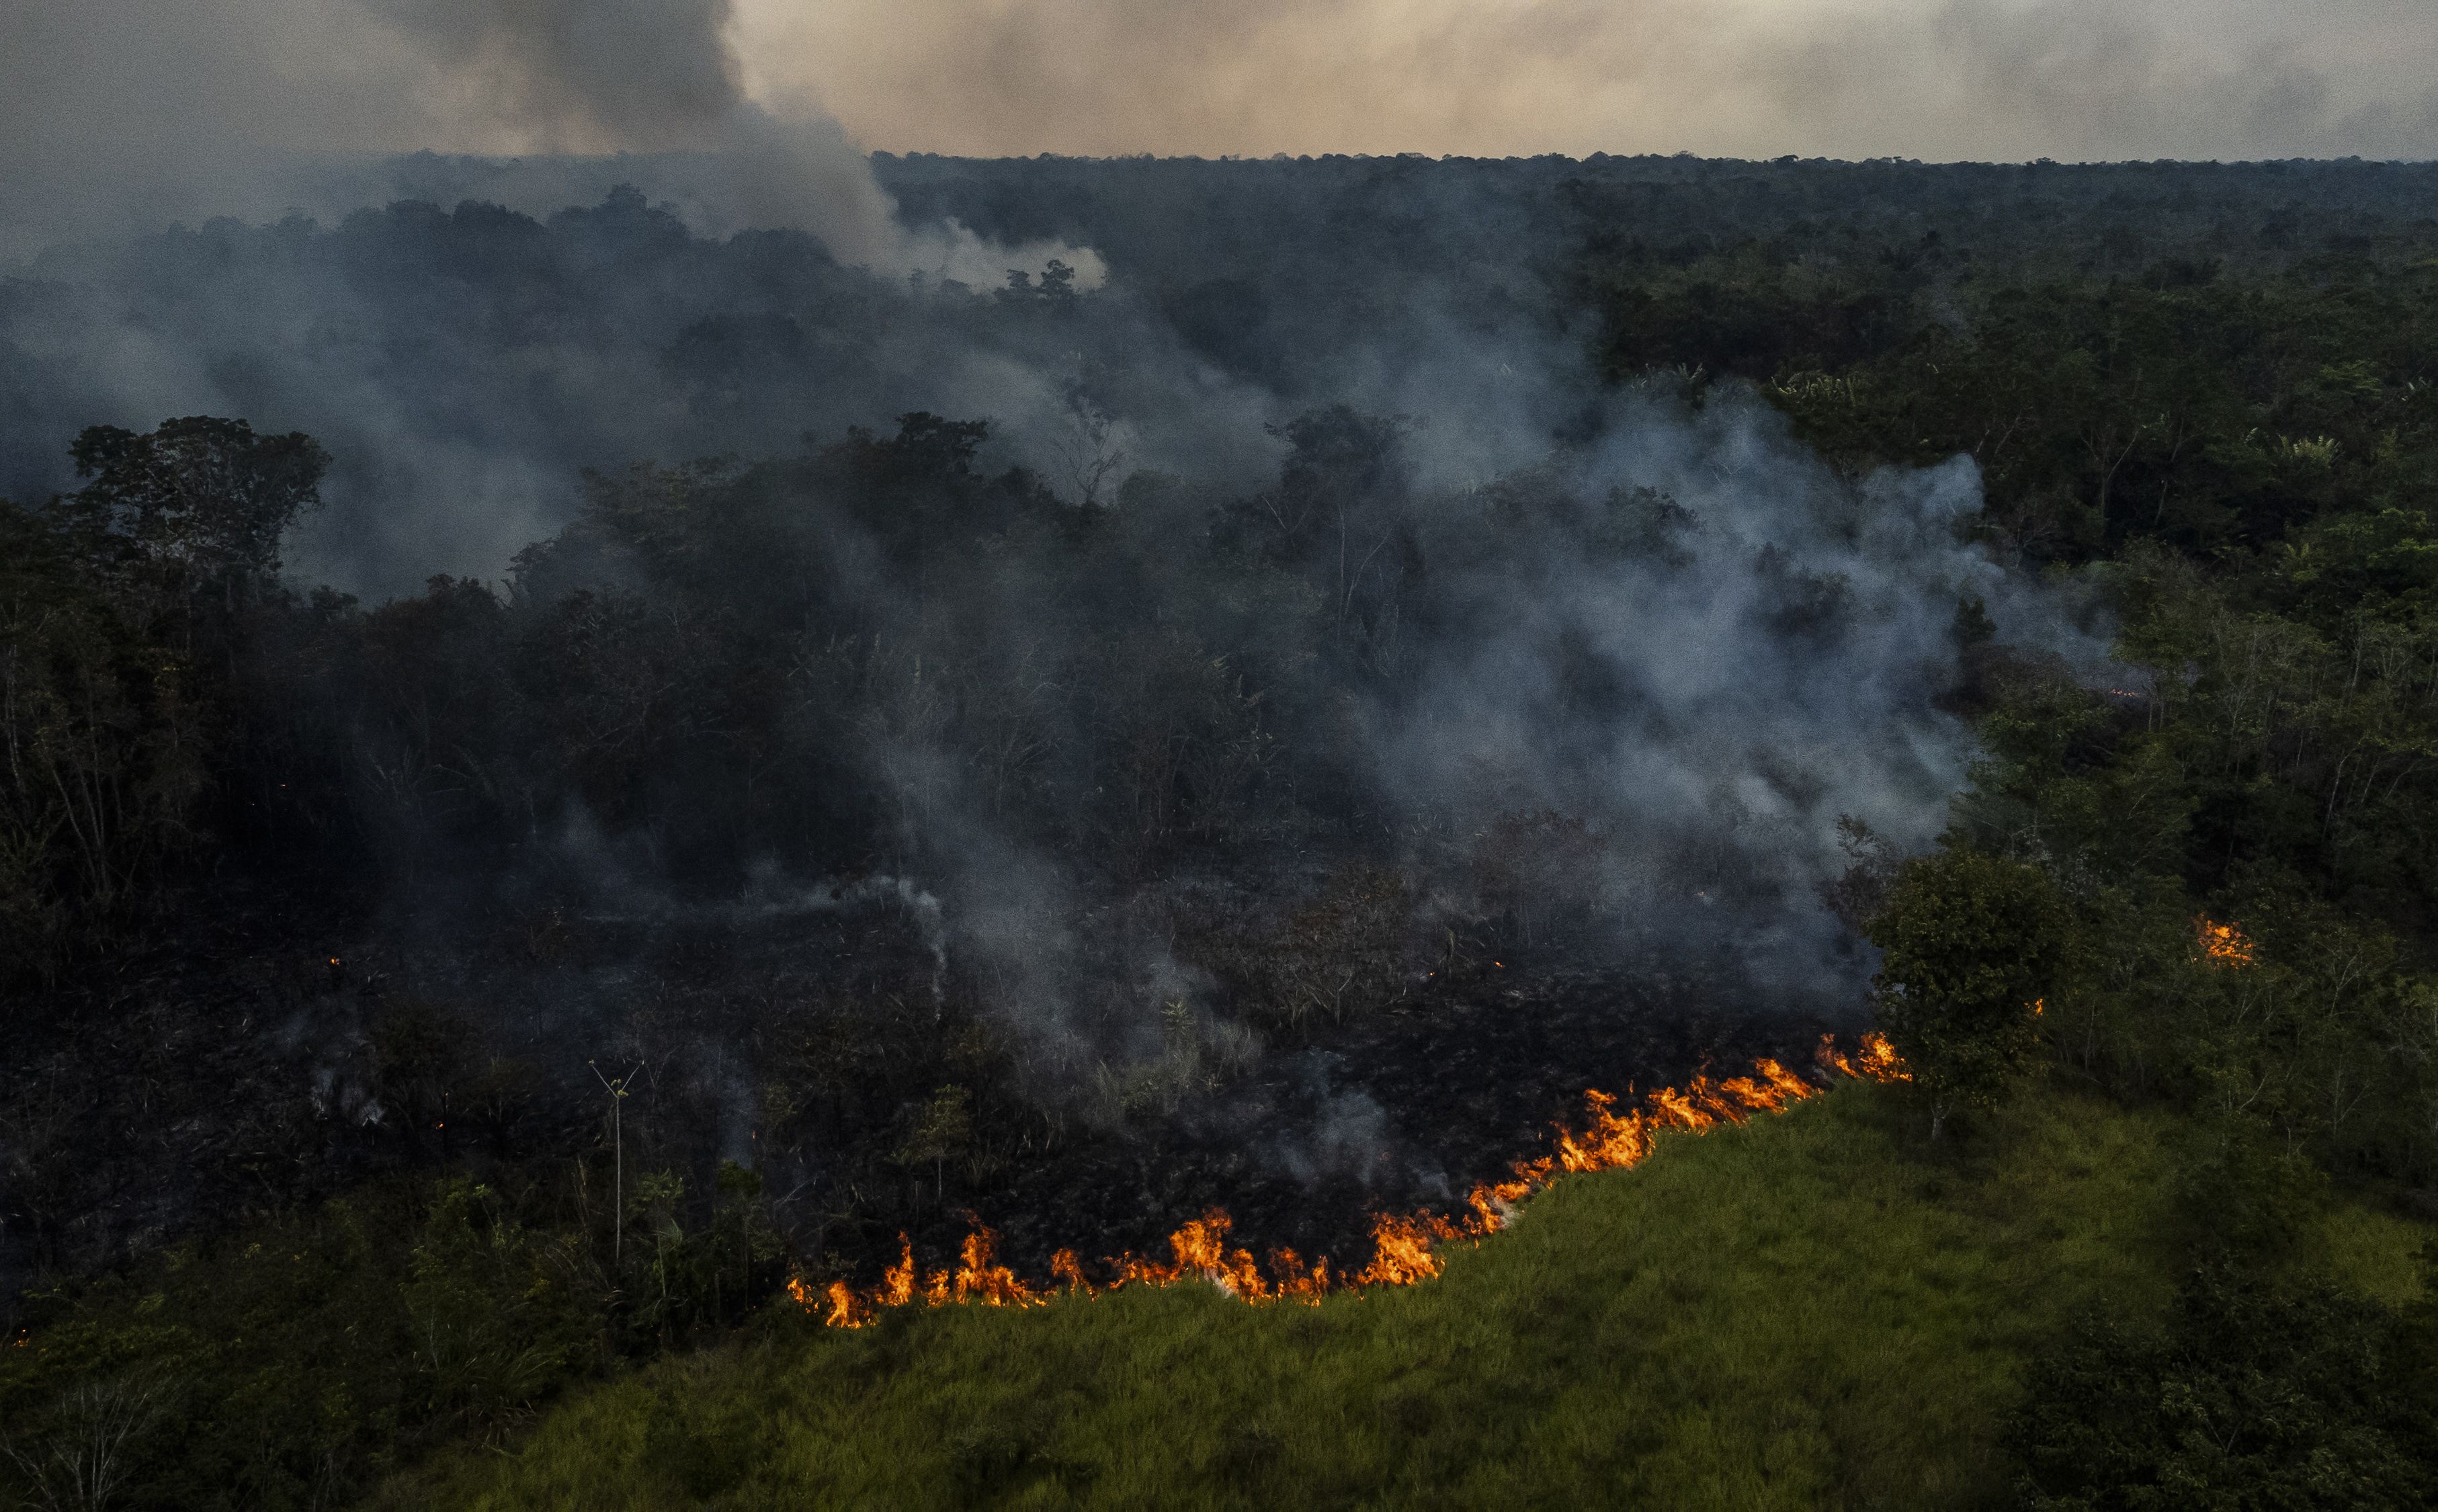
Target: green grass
{"points": [[2372, 1251], [1814, 1310]]}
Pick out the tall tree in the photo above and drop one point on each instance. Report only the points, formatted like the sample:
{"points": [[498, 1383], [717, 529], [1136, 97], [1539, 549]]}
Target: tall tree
{"points": [[1971, 945]]}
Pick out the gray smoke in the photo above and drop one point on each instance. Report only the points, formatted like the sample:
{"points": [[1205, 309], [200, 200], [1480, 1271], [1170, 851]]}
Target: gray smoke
{"points": [[583, 75], [1652, 671], [463, 367], [1708, 649], [123, 116]]}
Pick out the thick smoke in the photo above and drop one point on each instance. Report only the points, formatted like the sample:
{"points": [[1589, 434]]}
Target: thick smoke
{"points": [[583, 75], [463, 366], [658, 76], [129, 113], [1695, 643], [1616, 665], [1614, 669], [652, 76]]}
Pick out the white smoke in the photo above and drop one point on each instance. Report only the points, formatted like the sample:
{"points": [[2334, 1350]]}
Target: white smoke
{"points": [[124, 116]]}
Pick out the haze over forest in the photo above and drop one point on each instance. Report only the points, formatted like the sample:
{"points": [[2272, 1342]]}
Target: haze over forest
{"points": [[128, 111]]}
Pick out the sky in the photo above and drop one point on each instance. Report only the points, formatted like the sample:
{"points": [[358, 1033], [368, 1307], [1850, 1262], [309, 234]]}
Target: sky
{"points": [[1936, 79], [96, 85], [125, 114]]}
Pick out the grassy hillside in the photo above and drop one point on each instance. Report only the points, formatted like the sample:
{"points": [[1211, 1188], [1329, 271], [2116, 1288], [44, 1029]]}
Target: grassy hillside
{"points": [[1811, 1311]]}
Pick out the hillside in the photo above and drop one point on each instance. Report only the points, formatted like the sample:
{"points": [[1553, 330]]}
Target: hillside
{"points": [[1807, 1312]]}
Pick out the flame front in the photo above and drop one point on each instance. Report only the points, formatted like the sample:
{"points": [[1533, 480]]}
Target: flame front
{"points": [[1404, 1247]]}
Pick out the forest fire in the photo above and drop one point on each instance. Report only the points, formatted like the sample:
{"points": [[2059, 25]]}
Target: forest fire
{"points": [[1402, 1245], [2222, 944], [1876, 1060]]}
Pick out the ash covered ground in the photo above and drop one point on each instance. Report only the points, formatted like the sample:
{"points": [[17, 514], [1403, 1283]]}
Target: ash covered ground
{"points": [[279, 1051]]}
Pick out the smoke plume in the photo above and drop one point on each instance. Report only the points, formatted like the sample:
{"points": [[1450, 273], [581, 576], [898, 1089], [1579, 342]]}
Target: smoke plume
{"points": [[129, 114]]}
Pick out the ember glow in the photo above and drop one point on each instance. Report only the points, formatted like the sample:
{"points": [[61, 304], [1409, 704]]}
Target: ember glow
{"points": [[2222, 944], [1404, 1247]]}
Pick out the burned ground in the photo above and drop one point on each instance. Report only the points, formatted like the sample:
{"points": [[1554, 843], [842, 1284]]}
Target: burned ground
{"points": [[276, 1051]]}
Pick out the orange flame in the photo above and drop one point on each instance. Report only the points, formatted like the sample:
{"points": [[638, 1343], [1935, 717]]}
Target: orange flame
{"points": [[1877, 1060], [1201, 1254], [1065, 1266], [981, 1279], [1307, 1285], [896, 1286], [1404, 1247], [846, 1310], [2222, 944]]}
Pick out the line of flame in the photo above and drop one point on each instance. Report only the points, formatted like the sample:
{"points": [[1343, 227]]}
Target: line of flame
{"points": [[1402, 1245]]}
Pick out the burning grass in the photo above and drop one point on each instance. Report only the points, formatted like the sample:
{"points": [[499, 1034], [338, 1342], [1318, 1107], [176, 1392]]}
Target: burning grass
{"points": [[1403, 1245], [1812, 1311]]}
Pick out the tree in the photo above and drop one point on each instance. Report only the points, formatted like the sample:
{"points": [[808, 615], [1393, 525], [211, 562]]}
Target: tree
{"points": [[1970, 948], [123, 610], [74, 782], [196, 506], [2249, 1398], [84, 1461], [942, 1127]]}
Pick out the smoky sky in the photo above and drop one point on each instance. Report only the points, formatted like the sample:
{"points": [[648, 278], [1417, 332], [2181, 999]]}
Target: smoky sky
{"points": [[127, 115], [1938, 79], [132, 112], [615, 73]]}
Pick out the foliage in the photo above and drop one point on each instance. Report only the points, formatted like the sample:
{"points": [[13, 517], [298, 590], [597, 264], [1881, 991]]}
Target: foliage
{"points": [[2249, 1397], [83, 1458], [125, 609], [1970, 952], [290, 1364], [2228, 460], [941, 1128]]}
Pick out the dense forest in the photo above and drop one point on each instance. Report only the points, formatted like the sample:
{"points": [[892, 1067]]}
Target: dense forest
{"points": [[1267, 729]]}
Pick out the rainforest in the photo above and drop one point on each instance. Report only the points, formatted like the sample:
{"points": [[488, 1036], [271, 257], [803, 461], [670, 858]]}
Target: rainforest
{"points": [[1340, 831]]}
